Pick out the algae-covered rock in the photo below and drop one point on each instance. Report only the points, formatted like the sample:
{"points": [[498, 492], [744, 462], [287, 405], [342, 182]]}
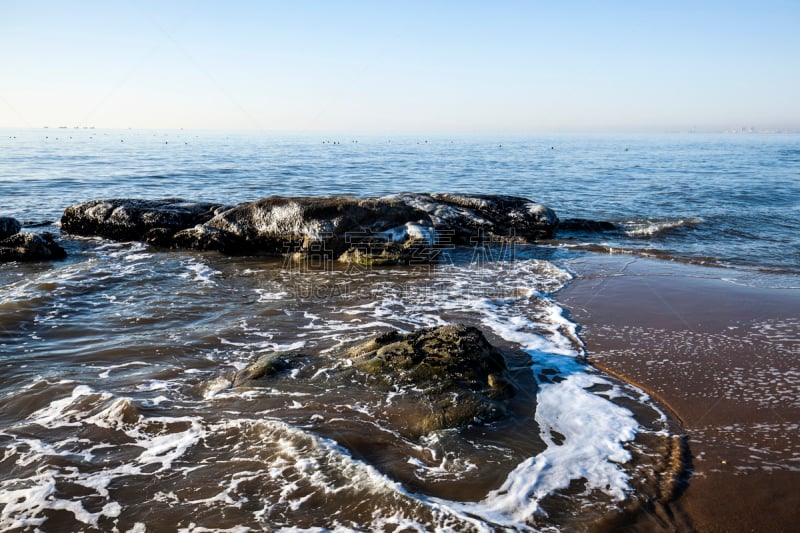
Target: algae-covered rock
{"points": [[381, 253], [452, 373]]}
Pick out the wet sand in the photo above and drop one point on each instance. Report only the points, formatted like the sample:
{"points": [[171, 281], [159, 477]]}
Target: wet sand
{"points": [[725, 359]]}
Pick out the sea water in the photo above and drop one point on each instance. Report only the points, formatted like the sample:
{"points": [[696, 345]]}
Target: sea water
{"points": [[116, 410]]}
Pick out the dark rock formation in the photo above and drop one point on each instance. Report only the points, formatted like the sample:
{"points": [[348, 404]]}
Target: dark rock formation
{"points": [[278, 225], [404, 228], [30, 247], [451, 374], [8, 227], [496, 217], [152, 221]]}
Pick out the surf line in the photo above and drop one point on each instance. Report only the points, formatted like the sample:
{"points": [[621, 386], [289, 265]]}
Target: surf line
{"points": [[650, 392]]}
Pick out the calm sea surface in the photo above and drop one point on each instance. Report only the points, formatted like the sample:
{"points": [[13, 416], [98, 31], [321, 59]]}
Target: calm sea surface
{"points": [[733, 199], [116, 410]]}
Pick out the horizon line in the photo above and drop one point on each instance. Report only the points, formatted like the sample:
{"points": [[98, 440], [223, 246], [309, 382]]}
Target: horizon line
{"points": [[437, 132]]}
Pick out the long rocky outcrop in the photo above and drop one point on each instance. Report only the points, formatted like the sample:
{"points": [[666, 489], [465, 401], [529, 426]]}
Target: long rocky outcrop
{"points": [[393, 229], [16, 246]]}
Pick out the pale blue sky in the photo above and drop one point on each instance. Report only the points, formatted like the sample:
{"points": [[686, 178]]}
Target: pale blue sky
{"points": [[401, 66]]}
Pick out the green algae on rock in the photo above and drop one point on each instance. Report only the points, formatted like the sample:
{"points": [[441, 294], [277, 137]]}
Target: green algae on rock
{"points": [[451, 372]]}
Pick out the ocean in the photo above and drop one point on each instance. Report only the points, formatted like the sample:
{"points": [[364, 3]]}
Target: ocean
{"points": [[116, 410]]}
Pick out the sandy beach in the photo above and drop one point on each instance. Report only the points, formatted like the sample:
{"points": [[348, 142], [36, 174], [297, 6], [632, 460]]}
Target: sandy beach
{"points": [[723, 358]]}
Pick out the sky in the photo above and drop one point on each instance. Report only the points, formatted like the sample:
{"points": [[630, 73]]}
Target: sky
{"points": [[385, 66]]}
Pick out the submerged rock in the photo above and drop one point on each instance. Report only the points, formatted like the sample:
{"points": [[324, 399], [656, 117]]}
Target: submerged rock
{"points": [[451, 375], [403, 228], [266, 366], [152, 221], [37, 223], [30, 247], [8, 227], [586, 225]]}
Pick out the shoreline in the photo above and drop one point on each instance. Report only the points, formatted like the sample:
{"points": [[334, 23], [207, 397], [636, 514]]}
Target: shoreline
{"points": [[722, 358]]}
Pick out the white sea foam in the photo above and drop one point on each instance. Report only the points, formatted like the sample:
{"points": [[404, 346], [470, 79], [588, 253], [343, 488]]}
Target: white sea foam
{"points": [[153, 385], [199, 272], [593, 432], [161, 440], [306, 465], [215, 386], [194, 528], [584, 431], [137, 257], [108, 369], [651, 228], [410, 230], [265, 295], [124, 250], [593, 428]]}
